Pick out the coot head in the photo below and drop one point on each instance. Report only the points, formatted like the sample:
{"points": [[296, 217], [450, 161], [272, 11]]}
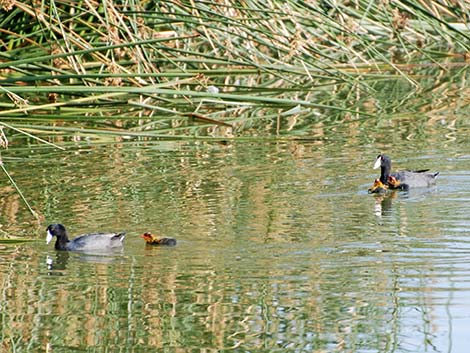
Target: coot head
{"points": [[382, 161], [56, 230], [148, 237]]}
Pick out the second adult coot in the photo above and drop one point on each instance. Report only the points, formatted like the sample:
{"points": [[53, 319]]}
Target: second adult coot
{"points": [[85, 242], [404, 179]]}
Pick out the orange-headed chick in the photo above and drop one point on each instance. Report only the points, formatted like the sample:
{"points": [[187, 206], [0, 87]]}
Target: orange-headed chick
{"points": [[154, 240], [378, 187], [394, 183]]}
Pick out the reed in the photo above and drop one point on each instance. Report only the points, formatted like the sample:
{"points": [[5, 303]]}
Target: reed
{"points": [[70, 53], [202, 69]]}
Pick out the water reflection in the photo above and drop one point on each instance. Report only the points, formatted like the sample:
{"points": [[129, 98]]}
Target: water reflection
{"points": [[58, 263], [280, 248], [383, 202]]}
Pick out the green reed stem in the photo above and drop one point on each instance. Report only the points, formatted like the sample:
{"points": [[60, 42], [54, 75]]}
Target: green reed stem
{"points": [[12, 181]]}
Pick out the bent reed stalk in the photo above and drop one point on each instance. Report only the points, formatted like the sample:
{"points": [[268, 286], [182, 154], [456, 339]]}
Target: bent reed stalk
{"points": [[206, 58]]}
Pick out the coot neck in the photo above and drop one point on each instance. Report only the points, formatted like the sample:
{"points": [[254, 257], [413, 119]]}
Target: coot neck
{"points": [[385, 173], [61, 242]]}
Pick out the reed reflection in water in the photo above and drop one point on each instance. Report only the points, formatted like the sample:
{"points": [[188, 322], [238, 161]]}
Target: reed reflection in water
{"points": [[280, 248]]}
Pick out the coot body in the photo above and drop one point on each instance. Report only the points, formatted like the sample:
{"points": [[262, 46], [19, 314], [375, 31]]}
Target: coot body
{"points": [[85, 242]]}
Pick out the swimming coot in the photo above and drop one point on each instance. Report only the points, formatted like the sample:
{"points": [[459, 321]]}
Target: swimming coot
{"points": [[85, 242], [154, 240], [404, 179]]}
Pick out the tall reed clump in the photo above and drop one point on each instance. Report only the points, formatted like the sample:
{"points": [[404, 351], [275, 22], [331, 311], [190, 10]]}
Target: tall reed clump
{"points": [[161, 69], [221, 64]]}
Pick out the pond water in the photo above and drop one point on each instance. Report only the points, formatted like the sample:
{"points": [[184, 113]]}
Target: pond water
{"points": [[280, 248]]}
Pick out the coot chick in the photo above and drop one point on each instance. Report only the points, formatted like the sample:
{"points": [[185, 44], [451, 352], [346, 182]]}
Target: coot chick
{"points": [[85, 242], [154, 240], [378, 187], [404, 179], [395, 184]]}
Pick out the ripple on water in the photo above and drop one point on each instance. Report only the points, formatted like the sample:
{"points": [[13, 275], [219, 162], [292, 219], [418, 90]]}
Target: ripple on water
{"points": [[276, 252]]}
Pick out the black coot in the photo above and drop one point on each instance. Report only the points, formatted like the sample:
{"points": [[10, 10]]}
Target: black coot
{"points": [[85, 242], [404, 179]]}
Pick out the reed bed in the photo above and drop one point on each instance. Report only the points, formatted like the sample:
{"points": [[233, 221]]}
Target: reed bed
{"points": [[204, 69], [159, 64]]}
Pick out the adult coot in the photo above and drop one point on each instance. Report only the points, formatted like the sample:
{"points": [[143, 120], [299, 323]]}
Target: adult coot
{"points": [[85, 242], [404, 179]]}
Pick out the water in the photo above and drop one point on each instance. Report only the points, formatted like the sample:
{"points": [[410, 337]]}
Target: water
{"points": [[280, 248]]}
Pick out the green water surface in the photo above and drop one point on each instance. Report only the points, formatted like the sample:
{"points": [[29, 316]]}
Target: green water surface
{"points": [[280, 248]]}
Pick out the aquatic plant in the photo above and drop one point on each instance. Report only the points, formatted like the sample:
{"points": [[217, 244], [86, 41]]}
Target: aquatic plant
{"points": [[88, 69], [147, 69]]}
